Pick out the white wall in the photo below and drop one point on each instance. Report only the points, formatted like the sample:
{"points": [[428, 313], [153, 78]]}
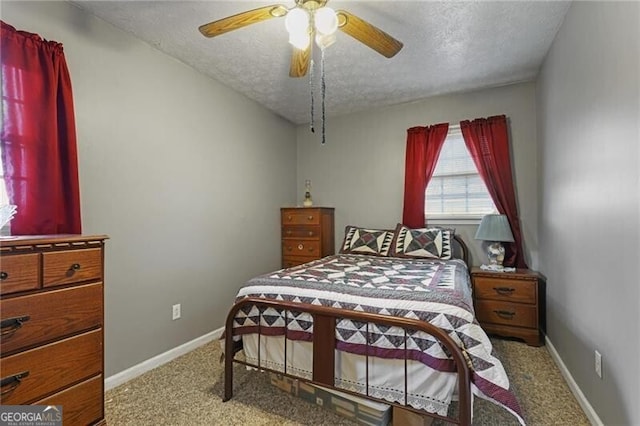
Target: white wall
{"points": [[184, 175], [588, 108], [360, 169]]}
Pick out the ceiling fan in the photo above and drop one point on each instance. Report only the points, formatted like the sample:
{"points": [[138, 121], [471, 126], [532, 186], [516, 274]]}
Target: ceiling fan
{"points": [[309, 20]]}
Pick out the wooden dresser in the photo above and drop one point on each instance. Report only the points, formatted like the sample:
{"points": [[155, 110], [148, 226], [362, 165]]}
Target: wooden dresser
{"points": [[510, 303], [307, 234], [51, 308]]}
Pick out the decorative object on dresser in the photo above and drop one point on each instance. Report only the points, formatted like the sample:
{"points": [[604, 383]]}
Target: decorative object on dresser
{"points": [[7, 212], [51, 303], [307, 234], [495, 229], [510, 304], [308, 201]]}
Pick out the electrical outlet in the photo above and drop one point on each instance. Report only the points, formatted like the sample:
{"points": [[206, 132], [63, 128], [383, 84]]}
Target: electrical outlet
{"points": [[176, 312], [598, 364]]}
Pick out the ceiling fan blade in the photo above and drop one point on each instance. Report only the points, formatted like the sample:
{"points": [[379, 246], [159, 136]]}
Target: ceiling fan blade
{"points": [[366, 33], [300, 62], [243, 19]]}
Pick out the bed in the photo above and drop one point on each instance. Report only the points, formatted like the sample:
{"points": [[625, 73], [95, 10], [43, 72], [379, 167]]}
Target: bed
{"points": [[389, 318]]}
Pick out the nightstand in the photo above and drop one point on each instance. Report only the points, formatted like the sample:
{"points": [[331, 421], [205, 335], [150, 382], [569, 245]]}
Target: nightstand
{"points": [[510, 304]]}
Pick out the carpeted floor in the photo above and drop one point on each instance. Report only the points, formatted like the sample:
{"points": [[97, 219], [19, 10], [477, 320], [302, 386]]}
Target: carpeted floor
{"points": [[188, 391]]}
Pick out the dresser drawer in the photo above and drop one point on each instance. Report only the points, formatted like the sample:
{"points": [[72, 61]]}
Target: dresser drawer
{"points": [[51, 367], [19, 273], [70, 266], [506, 313], [301, 217], [51, 315], [301, 232], [505, 289], [81, 404], [297, 247]]}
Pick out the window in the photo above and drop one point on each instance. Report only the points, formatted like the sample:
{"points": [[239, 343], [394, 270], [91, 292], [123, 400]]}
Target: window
{"points": [[456, 190]]}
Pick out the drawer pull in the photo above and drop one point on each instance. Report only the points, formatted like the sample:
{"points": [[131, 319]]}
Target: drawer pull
{"points": [[504, 290], [75, 267], [310, 217], [12, 382], [289, 217], [300, 246], [310, 249], [3, 276], [11, 325], [505, 314], [311, 233], [289, 232], [289, 248]]}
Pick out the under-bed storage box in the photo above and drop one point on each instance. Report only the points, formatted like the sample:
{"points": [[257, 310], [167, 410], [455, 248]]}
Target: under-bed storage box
{"points": [[352, 407]]}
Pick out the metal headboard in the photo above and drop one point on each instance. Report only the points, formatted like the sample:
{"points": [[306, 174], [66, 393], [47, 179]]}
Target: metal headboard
{"points": [[460, 249]]}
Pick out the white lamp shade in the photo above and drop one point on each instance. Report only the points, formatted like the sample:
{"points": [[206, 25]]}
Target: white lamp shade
{"points": [[297, 21], [494, 227], [325, 40], [300, 41], [325, 20]]}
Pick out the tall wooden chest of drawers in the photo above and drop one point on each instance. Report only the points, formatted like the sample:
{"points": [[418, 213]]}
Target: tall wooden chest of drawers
{"points": [[510, 303], [307, 234], [52, 313]]}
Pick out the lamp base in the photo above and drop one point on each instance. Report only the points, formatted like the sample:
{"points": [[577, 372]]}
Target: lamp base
{"points": [[495, 253]]}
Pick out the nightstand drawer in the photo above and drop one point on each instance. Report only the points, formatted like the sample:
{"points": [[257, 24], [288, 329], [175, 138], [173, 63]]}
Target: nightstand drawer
{"points": [[291, 261], [295, 247], [506, 313], [301, 231], [505, 289], [301, 217]]}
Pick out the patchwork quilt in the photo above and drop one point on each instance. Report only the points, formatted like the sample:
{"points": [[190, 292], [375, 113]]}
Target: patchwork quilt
{"points": [[432, 290]]}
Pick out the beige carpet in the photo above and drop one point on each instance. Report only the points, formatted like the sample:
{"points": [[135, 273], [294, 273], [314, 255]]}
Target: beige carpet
{"points": [[188, 391]]}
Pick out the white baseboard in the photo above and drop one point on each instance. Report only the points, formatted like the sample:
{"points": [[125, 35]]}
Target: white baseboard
{"points": [[133, 372], [573, 386]]}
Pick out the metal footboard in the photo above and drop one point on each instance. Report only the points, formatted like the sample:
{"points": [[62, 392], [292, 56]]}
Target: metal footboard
{"points": [[324, 345]]}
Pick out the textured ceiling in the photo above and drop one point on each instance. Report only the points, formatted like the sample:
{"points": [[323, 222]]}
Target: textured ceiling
{"points": [[448, 47]]}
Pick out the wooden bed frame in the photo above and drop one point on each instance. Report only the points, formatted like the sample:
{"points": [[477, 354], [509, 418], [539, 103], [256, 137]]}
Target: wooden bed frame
{"points": [[324, 344]]}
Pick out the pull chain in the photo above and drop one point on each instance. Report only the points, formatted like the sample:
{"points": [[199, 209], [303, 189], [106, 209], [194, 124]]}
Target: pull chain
{"points": [[323, 89], [312, 89]]}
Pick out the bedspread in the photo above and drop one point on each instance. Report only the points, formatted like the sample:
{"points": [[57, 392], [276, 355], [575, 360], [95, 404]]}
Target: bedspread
{"points": [[436, 291]]}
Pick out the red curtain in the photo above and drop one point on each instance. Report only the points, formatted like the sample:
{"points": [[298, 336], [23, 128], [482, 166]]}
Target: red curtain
{"points": [[38, 137], [488, 142], [423, 148]]}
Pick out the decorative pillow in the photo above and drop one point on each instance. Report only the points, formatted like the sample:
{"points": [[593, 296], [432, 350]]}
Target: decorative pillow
{"points": [[430, 243], [376, 242]]}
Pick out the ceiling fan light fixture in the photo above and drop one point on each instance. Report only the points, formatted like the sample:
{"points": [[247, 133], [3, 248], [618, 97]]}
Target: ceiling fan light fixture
{"points": [[325, 40], [300, 40], [325, 20], [297, 21]]}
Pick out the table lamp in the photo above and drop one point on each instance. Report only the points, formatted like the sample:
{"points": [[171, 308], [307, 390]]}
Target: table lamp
{"points": [[495, 229]]}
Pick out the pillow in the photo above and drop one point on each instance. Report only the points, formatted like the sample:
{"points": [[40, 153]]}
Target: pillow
{"points": [[425, 243], [375, 242]]}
